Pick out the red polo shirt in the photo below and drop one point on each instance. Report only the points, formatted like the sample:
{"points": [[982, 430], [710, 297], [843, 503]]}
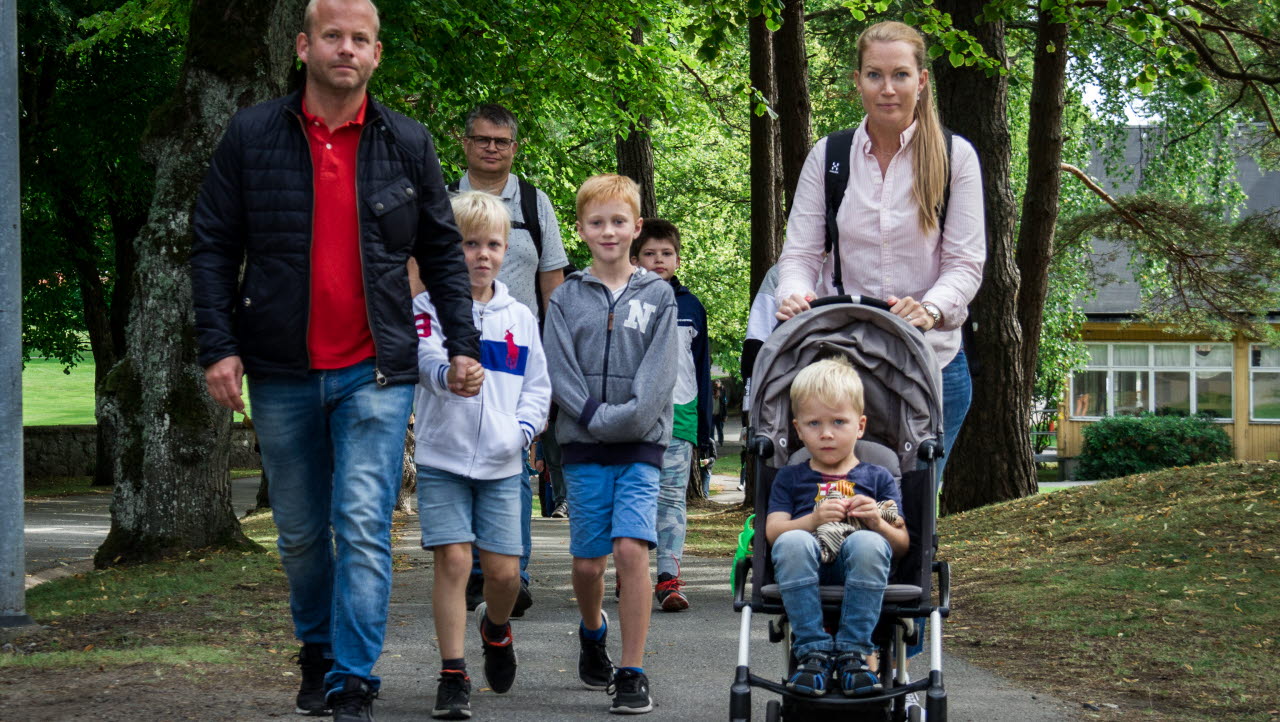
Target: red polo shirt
{"points": [[338, 332]]}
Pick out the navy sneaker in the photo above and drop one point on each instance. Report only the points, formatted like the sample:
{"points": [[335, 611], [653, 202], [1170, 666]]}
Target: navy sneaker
{"points": [[811, 677], [856, 678]]}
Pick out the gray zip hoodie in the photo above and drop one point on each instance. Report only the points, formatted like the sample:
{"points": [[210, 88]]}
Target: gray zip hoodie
{"points": [[613, 368]]}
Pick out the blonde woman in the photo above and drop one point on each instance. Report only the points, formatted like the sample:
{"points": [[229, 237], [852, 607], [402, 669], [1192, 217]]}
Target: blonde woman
{"points": [[892, 243]]}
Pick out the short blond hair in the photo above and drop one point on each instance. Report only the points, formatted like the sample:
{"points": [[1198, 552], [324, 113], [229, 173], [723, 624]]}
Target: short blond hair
{"points": [[476, 212], [609, 187], [828, 381]]}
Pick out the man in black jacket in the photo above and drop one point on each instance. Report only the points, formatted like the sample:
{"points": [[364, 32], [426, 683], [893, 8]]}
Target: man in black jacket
{"points": [[322, 196]]}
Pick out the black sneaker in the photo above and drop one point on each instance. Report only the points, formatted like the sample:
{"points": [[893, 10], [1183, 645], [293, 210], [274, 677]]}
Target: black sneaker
{"points": [[475, 591], [630, 691], [353, 701], [499, 654], [856, 679], [595, 669], [310, 700], [561, 511], [453, 696], [524, 600], [812, 675]]}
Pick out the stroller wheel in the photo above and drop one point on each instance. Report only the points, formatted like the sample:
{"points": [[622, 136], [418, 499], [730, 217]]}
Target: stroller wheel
{"points": [[773, 711]]}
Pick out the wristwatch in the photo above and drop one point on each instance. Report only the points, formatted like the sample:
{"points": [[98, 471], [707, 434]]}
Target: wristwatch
{"points": [[933, 312]]}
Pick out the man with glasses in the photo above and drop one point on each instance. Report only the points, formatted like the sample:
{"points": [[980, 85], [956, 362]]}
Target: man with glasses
{"points": [[534, 267]]}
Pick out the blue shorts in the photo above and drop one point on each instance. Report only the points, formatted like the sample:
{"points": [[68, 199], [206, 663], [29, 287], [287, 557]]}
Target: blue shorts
{"points": [[455, 509], [611, 502]]}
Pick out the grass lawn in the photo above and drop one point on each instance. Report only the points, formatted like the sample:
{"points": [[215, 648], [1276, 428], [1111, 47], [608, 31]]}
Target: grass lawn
{"points": [[1155, 592], [50, 397], [51, 486]]}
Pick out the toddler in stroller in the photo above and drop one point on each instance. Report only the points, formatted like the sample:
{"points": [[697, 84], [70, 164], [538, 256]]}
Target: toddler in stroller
{"points": [[869, 605]]}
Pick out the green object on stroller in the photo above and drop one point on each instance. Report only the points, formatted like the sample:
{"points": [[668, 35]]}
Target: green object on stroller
{"points": [[745, 537]]}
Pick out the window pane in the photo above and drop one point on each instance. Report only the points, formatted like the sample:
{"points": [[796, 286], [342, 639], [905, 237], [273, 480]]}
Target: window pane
{"points": [[1213, 393], [1173, 393], [1266, 396], [1214, 354], [1129, 354], [1097, 354], [1265, 357], [1131, 397], [1172, 355], [1089, 393]]}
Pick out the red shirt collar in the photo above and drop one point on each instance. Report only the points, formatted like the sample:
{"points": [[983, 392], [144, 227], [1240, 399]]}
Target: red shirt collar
{"points": [[359, 120]]}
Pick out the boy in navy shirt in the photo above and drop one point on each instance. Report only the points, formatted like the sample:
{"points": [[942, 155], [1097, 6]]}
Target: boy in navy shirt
{"points": [[827, 404]]}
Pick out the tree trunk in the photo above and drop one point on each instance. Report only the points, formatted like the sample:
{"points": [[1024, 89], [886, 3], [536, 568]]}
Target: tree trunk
{"points": [[766, 158], [172, 491], [1040, 201], [635, 152], [992, 459], [792, 63]]}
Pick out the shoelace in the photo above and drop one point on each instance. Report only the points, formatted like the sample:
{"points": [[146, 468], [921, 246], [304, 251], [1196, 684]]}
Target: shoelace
{"points": [[352, 701], [454, 683], [623, 681], [673, 584]]}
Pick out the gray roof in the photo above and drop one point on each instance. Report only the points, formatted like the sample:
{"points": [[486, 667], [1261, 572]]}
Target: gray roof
{"points": [[1119, 299]]}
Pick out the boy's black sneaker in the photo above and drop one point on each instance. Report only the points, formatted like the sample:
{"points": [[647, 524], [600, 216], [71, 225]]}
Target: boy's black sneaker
{"points": [[353, 701], [475, 591], [595, 669], [812, 675], [310, 700], [524, 600], [499, 654], [453, 696], [856, 678], [630, 691]]}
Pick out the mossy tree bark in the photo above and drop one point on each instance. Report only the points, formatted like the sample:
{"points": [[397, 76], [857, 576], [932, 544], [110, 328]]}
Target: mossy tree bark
{"points": [[170, 456], [766, 157], [635, 152], [992, 459], [792, 64]]}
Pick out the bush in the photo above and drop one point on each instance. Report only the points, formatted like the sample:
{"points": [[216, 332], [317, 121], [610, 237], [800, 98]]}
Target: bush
{"points": [[1123, 445]]}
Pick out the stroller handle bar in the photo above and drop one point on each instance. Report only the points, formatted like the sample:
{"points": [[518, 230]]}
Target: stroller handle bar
{"points": [[855, 299]]}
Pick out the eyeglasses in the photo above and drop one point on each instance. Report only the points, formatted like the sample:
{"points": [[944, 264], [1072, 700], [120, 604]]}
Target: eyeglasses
{"points": [[485, 141]]}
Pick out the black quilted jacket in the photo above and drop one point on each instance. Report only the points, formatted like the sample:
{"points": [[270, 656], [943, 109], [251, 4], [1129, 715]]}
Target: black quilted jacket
{"points": [[255, 208]]}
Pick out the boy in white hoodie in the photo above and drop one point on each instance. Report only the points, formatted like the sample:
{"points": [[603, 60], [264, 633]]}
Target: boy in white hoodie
{"points": [[469, 455]]}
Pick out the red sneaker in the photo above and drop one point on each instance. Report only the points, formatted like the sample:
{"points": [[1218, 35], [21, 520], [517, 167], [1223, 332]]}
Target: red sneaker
{"points": [[669, 595]]}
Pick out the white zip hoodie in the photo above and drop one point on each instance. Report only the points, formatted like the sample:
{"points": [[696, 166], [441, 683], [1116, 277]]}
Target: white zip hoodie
{"points": [[483, 436]]}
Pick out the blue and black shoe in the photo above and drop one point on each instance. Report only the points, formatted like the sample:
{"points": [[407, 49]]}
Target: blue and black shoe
{"points": [[856, 679], [812, 675]]}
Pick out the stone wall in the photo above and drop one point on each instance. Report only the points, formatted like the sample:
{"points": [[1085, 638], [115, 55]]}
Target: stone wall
{"points": [[70, 450]]}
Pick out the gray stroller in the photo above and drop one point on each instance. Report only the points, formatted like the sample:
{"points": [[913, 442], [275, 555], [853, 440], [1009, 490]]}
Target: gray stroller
{"points": [[902, 386]]}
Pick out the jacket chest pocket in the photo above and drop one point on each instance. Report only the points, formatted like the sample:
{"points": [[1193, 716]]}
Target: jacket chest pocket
{"points": [[395, 207]]}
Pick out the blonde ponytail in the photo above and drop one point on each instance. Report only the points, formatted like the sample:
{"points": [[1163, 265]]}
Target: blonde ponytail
{"points": [[930, 165]]}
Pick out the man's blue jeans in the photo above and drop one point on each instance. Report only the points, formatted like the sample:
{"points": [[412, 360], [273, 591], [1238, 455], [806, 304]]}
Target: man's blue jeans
{"points": [[332, 448], [673, 488], [526, 527], [862, 567]]}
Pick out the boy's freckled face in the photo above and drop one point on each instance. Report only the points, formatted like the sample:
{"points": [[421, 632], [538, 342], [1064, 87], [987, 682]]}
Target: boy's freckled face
{"points": [[609, 227], [484, 251], [829, 431], [659, 256]]}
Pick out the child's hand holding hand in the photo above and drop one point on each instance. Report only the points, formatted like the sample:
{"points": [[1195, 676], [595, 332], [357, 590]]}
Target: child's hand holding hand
{"points": [[865, 509], [829, 510]]}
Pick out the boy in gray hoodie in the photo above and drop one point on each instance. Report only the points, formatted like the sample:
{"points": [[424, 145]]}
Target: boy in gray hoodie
{"points": [[611, 352]]}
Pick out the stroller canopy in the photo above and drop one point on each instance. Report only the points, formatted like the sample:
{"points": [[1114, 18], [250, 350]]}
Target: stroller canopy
{"points": [[900, 375]]}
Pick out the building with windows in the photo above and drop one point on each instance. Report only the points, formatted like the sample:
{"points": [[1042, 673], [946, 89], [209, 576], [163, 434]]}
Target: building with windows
{"points": [[1135, 368]]}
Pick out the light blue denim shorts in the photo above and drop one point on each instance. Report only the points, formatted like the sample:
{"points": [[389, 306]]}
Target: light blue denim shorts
{"points": [[608, 502], [454, 509]]}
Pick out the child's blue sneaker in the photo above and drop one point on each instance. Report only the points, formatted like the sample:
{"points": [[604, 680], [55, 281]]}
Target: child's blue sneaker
{"points": [[811, 675], [856, 679]]}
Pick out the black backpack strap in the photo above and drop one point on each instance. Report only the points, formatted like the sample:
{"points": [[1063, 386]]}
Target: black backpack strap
{"points": [[836, 180], [946, 189]]}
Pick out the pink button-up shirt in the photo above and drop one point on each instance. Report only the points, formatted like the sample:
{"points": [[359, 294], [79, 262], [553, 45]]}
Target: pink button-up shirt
{"points": [[882, 250]]}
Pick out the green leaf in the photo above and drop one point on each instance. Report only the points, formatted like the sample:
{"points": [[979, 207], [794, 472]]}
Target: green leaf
{"points": [[773, 24], [936, 51], [858, 14], [1051, 48], [1137, 36], [1113, 6], [956, 59]]}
